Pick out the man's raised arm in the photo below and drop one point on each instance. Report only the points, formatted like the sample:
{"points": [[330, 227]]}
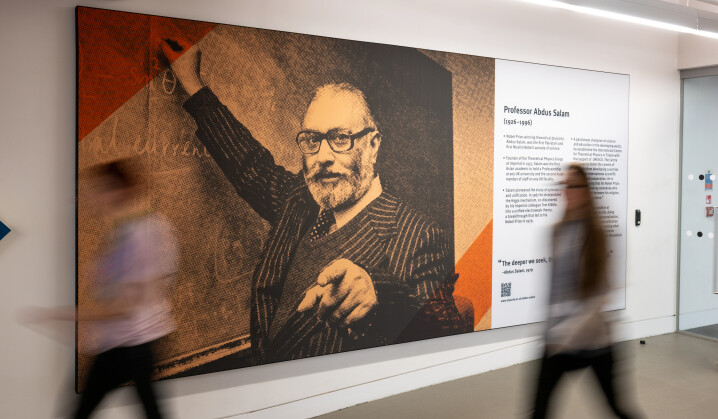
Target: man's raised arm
{"points": [[248, 165]]}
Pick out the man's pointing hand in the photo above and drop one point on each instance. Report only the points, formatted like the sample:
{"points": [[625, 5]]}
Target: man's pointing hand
{"points": [[344, 294]]}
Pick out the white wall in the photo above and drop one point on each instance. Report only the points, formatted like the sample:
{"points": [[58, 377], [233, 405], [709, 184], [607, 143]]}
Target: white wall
{"points": [[37, 164], [695, 51]]}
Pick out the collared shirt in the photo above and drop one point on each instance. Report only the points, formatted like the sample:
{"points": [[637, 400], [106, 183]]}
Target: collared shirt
{"points": [[344, 216]]}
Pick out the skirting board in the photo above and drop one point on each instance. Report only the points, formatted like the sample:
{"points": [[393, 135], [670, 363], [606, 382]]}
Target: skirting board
{"points": [[697, 319]]}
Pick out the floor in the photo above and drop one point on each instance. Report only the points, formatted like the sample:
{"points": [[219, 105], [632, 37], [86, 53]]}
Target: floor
{"points": [[710, 331], [670, 376]]}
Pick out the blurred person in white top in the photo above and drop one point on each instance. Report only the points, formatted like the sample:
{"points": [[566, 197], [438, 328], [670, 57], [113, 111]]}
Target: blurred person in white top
{"points": [[577, 335], [129, 307]]}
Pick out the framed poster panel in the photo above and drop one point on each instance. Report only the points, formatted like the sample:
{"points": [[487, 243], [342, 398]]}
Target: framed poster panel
{"points": [[327, 195]]}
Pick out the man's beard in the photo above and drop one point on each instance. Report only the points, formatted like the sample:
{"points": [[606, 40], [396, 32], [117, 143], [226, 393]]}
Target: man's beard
{"points": [[337, 187]]}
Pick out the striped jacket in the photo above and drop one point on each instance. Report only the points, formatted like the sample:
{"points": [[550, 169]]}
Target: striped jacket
{"points": [[406, 256]]}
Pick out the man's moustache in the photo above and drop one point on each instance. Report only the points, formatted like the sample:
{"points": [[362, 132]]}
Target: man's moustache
{"points": [[323, 174]]}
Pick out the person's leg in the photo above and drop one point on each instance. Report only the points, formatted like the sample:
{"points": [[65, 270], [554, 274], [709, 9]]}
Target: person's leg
{"points": [[603, 367], [551, 370], [142, 368], [101, 379]]}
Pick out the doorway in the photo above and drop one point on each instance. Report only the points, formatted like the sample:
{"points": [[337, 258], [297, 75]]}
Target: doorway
{"points": [[698, 281]]}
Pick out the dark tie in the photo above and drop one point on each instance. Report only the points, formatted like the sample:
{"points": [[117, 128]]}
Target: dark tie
{"points": [[322, 226]]}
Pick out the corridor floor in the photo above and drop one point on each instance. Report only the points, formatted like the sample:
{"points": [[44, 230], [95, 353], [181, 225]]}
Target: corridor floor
{"points": [[671, 376]]}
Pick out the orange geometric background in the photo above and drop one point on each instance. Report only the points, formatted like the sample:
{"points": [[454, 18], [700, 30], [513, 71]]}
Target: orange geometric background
{"points": [[474, 269], [113, 70]]}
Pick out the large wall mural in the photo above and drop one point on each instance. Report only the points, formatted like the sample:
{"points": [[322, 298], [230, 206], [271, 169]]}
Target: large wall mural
{"points": [[330, 195]]}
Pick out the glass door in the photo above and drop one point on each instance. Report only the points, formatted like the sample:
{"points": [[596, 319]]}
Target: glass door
{"points": [[698, 297]]}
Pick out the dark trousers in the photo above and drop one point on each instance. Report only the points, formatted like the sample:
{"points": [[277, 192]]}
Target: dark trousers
{"points": [[553, 367], [115, 367]]}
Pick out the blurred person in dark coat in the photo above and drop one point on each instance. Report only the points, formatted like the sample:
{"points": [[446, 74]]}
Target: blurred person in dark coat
{"points": [[577, 334]]}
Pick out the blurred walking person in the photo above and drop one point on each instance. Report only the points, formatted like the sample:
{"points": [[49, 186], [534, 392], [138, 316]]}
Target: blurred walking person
{"points": [[129, 307], [577, 334]]}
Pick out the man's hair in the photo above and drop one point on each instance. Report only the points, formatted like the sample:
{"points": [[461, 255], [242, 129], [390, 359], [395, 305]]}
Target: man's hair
{"points": [[335, 88]]}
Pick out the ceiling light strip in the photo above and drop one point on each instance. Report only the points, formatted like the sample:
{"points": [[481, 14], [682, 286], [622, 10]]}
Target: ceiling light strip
{"points": [[621, 17]]}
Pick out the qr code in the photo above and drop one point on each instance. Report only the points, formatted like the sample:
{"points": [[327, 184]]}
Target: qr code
{"points": [[506, 289]]}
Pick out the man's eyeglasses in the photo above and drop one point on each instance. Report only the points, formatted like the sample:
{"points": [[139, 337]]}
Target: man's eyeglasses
{"points": [[339, 140]]}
